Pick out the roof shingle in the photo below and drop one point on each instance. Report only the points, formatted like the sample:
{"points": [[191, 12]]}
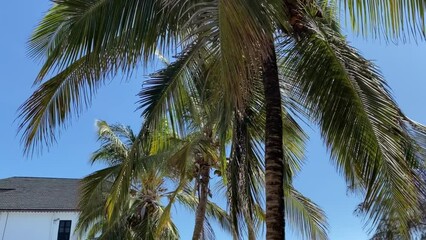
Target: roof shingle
{"points": [[39, 194]]}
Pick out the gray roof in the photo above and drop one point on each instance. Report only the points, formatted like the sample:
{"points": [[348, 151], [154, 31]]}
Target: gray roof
{"points": [[39, 194]]}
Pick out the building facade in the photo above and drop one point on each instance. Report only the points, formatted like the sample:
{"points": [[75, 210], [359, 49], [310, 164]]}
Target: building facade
{"points": [[38, 208]]}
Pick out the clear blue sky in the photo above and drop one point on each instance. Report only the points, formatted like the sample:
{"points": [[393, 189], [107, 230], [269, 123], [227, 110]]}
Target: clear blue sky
{"points": [[403, 66]]}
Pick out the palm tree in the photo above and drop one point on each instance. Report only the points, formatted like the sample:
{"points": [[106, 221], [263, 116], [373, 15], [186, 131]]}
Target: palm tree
{"points": [[109, 208], [240, 33], [367, 91], [183, 98], [124, 200]]}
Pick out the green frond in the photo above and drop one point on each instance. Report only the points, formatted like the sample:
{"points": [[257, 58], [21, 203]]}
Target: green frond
{"points": [[118, 201], [75, 28], [115, 141], [55, 101], [304, 216], [93, 193], [245, 174], [417, 133], [294, 139], [84, 43], [180, 156], [213, 212], [359, 120], [165, 216], [169, 93], [393, 20]]}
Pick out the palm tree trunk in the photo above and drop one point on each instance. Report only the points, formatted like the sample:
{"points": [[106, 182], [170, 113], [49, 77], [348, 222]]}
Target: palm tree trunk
{"points": [[203, 181], [274, 164]]}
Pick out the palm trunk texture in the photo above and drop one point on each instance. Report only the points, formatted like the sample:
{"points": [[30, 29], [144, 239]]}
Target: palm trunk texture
{"points": [[204, 178], [274, 164]]}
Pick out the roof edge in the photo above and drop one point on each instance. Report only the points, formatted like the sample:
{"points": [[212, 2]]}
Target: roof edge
{"points": [[23, 177], [39, 210]]}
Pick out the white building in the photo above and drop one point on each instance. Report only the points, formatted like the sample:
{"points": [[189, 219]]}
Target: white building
{"points": [[38, 208]]}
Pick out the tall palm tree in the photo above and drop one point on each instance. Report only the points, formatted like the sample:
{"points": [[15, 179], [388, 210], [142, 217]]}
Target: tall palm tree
{"points": [[111, 211], [87, 46], [362, 164], [125, 200], [191, 103]]}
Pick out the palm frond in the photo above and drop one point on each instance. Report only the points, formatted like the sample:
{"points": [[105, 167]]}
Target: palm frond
{"points": [[213, 211], [245, 177], [56, 100], [115, 142], [359, 120], [392, 20], [84, 43], [168, 93], [75, 28], [304, 216], [93, 196]]}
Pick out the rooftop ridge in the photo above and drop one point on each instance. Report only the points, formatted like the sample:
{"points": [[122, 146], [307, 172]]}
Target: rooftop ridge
{"points": [[25, 177]]}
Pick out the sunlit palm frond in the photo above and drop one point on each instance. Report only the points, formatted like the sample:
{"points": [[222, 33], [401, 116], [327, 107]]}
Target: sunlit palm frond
{"points": [[304, 216], [84, 43], [293, 145], [75, 28], [169, 93], [417, 132], [389, 225], [236, 33], [56, 101], [359, 120], [147, 218], [115, 141], [92, 197], [392, 20]]}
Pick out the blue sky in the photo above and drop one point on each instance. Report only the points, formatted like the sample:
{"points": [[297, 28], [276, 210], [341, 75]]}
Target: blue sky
{"points": [[402, 65]]}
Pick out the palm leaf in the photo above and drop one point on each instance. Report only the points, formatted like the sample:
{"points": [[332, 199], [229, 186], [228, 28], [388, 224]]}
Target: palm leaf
{"points": [[392, 20], [359, 120], [84, 43], [305, 218]]}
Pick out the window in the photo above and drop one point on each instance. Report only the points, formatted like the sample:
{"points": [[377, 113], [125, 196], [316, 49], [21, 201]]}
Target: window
{"points": [[64, 230]]}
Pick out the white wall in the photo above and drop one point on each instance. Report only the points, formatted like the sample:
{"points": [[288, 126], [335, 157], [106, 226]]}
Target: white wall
{"points": [[34, 225]]}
